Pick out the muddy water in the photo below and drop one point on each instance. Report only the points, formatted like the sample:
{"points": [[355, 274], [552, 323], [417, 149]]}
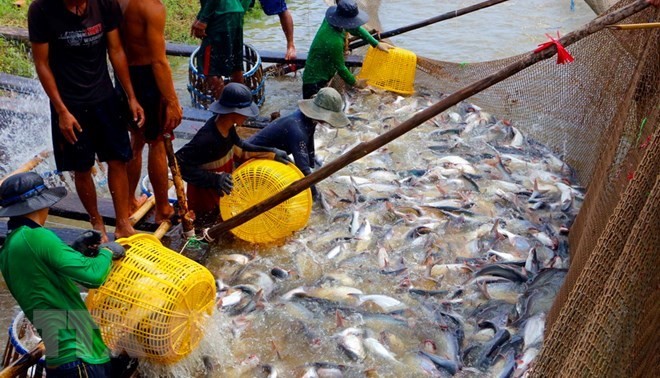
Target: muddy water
{"points": [[287, 334]]}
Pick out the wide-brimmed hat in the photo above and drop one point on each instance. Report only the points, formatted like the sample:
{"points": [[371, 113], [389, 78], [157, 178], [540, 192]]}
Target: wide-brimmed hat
{"points": [[235, 98], [326, 106], [346, 15], [24, 193]]}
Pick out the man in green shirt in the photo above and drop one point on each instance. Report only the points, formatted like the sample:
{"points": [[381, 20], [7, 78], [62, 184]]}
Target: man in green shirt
{"points": [[219, 24], [326, 54], [41, 272]]}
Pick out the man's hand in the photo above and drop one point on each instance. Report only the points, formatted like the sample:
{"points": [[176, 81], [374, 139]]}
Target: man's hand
{"points": [[173, 116], [117, 249], [225, 184], [291, 55], [382, 46], [360, 83], [281, 156], [68, 126], [136, 111], [198, 29], [88, 243]]}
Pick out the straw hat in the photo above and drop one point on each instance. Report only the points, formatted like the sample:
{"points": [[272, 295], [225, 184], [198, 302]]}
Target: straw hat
{"points": [[24, 193], [326, 106], [346, 15]]}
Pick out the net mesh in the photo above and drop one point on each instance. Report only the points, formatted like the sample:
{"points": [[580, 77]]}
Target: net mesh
{"points": [[601, 113]]}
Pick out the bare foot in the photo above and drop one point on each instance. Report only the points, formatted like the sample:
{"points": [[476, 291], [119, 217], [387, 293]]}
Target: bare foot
{"points": [[164, 214], [98, 225], [124, 230], [136, 203]]}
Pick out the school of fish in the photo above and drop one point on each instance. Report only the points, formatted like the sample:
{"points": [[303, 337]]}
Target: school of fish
{"points": [[437, 255]]}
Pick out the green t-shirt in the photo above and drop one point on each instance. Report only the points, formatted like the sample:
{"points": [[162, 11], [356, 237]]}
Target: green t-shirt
{"points": [[326, 54], [40, 271], [222, 15]]}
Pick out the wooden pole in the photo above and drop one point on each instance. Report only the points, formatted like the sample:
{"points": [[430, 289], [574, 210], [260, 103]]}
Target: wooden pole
{"points": [[21, 365], [186, 220], [417, 119], [30, 164], [427, 22]]}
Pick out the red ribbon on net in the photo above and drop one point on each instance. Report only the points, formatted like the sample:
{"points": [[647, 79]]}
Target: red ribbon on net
{"points": [[563, 56]]}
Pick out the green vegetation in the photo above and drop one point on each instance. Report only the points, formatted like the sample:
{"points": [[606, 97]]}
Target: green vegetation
{"points": [[15, 57]]}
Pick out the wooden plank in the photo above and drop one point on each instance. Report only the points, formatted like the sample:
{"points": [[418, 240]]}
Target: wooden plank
{"points": [[182, 49], [70, 207]]}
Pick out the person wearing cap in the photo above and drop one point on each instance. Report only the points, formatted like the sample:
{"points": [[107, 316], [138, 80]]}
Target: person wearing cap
{"points": [[326, 54], [206, 162], [41, 273], [219, 24], [294, 133]]}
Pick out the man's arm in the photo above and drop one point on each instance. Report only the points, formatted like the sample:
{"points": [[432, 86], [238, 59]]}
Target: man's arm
{"points": [[67, 122], [154, 16], [90, 272], [198, 28], [120, 66], [286, 21]]}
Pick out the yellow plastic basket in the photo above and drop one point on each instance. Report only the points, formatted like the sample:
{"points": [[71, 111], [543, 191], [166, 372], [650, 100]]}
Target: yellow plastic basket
{"points": [[154, 303], [392, 71], [257, 180]]}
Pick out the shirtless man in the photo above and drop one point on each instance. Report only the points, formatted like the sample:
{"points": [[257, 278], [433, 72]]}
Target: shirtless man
{"points": [[142, 31]]}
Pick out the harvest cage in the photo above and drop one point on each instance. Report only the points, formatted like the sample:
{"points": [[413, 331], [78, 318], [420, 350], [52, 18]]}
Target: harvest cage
{"points": [[154, 303], [257, 180], [253, 76]]}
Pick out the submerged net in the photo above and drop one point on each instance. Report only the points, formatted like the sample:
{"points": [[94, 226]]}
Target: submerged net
{"points": [[601, 113]]}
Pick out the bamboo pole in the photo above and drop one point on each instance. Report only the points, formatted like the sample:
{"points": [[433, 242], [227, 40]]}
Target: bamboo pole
{"points": [[30, 164], [143, 210], [427, 22], [417, 119], [648, 25], [184, 214], [21, 365]]}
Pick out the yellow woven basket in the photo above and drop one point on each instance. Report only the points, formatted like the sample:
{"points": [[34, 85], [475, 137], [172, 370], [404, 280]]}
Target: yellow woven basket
{"points": [[154, 303], [392, 71], [257, 180]]}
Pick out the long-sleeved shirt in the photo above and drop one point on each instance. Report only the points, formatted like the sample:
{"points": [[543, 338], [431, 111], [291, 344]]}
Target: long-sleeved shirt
{"points": [[326, 54], [41, 271], [209, 153], [293, 134]]}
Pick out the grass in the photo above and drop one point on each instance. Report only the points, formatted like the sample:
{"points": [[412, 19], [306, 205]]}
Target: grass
{"points": [[15, 57]]}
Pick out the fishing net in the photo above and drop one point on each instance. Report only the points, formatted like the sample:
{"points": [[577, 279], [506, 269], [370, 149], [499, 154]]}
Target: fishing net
{"points": [[601, 114]]}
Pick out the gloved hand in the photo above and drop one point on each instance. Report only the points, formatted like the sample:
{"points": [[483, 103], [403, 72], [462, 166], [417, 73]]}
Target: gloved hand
{"points": [[225, 184], [88, 243], [117, 249], [382, 46], [281, 156]]}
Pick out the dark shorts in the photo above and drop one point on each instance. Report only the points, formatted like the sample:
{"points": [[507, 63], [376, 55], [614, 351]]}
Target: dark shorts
{"points": [[149, 97], [221, 58], [309, 90], [272, 7], [104, 134], [80, 369]]}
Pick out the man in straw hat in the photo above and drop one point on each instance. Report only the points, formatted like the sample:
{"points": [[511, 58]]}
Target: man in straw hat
{"points": [[295, 132], [41, 272], [207, 161], [326, 54]]}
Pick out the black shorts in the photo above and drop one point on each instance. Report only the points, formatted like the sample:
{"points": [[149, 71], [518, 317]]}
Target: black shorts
{"points": [[149, 97], [309, 90], [221, 58], [104, 133]]}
